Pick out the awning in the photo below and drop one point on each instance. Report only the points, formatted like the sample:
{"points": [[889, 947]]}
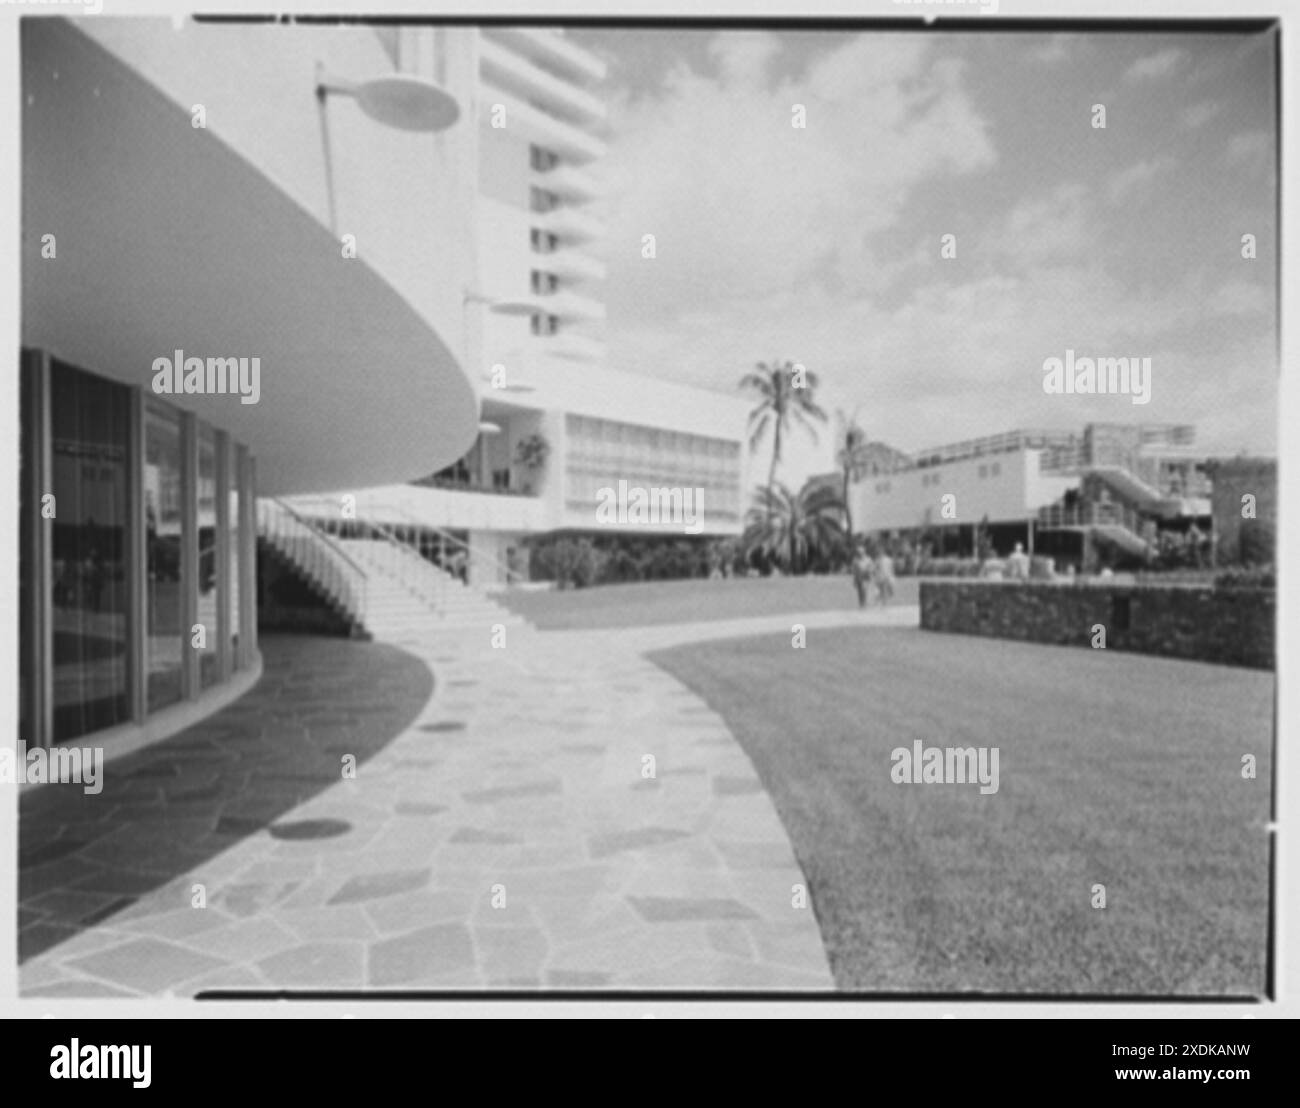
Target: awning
{"points": [[168, 239]]}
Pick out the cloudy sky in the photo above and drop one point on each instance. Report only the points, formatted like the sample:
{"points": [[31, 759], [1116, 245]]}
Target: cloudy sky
{"points": [[822, 245]]}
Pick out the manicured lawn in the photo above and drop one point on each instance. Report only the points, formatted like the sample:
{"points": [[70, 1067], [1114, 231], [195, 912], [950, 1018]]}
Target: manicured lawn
{"points": [[653, 602], [1115, 769]]}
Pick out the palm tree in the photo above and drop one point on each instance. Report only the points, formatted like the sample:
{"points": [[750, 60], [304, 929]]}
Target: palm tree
{"points": [[851, 456], [791, 527], [779, 405]]}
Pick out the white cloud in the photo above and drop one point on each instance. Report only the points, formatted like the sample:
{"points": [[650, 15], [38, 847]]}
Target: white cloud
{"points": [[1249, 148], [1200, 114], [743, 56], [1240, 297], [744, 206], [1045, 229], [1120, 184], [962, 354], [1056, 49], [1154, 66], [822, 246]]}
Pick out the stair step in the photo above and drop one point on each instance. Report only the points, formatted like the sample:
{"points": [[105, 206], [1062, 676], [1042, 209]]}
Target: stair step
{"points": [[405, 594]]}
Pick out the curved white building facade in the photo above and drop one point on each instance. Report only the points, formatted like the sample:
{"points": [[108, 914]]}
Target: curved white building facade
{"points": [[189, 199]]}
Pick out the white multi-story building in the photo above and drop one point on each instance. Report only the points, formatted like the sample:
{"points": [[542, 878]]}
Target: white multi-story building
{"points": [[1054, 489], [533, 335]]}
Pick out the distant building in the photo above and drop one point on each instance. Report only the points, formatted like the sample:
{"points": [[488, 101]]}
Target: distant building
{"points": [[882, 458], [1102, 493], [1243, 538]]}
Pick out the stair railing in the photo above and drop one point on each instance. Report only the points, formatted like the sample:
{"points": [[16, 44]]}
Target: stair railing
{"points": [[424, 580], [421, 536], [426, 541], [316, 555], [396, 559], [1094, 514]]}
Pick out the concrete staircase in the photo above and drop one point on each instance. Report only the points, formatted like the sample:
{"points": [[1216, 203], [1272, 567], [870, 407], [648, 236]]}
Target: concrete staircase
{"points": [[1127, 487], [1114, 524], [408, 594], [380, 586], [316, 559], [1124, 539]]}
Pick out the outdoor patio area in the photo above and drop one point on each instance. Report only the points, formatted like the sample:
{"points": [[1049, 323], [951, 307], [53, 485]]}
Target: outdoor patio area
{"points": [[630, 803], [501, 831]]}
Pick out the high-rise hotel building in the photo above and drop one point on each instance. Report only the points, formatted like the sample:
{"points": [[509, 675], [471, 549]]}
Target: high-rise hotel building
{"points": [[535, 323]]}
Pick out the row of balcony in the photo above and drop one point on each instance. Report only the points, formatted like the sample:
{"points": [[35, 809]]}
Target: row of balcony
{"points": [[511, 72], [572, 307], [551, 49], [571, 265], [541, 80], [568, 182], [539, 126], [571, 225], [566, 306]]}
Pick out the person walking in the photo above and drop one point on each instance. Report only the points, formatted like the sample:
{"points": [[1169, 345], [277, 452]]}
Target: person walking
{"points": [[884, 575], [458, 566], [1018, 564], [862, 574]]}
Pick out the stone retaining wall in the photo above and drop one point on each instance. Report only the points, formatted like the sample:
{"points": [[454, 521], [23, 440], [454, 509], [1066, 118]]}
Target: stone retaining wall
{"points": [[1230, 626]]}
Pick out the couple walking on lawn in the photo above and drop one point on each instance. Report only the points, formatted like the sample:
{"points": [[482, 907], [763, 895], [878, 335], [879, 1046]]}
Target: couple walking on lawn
{"points": [[868, 570]]}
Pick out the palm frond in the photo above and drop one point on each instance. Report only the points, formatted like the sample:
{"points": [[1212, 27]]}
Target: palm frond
{"points": [[756, 382]]}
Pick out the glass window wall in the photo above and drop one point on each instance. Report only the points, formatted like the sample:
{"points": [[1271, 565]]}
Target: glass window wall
{"points": [[208, 584], [90, 430], [164, 635]]}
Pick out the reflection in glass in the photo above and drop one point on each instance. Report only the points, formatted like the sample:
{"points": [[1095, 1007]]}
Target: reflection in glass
{"points": [[162, 510], [91, 432], [207, 567], [233, 455], [27, 524]]}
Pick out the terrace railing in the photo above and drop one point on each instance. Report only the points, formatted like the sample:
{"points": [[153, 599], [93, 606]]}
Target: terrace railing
{"points": [[1118, 522], [1093, 514], [469, 484]]}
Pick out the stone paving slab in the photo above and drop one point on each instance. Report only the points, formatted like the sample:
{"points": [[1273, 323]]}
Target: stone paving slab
{"points": [[86, 860], [509, 835]]}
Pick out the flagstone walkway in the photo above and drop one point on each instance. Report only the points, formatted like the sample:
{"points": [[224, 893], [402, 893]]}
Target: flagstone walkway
{"points": [[558, 814]]}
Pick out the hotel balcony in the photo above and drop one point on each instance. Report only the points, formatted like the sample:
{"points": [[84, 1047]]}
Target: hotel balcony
{"points": [[572, 225], [572, 307], [487, 488], [541, 127], [551, 49], [571, 265], [452, 502], [515, 74], [571, 346], [569, 183]]}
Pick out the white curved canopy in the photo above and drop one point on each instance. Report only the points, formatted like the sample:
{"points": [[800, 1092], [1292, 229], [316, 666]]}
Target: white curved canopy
{"points": [[168, 239]]}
